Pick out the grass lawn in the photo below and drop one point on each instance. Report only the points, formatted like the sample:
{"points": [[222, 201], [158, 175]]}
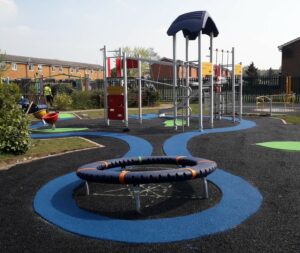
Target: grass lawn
{"points": [[291, 119], [98, 113], [44, 147]]}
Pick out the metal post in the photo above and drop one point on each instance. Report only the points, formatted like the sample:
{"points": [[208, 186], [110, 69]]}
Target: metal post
{"points": [[87, 188], [105, 86], [233, 86], [211, 83], [136, 195], [216, 94], [140, 91], [241, 93], [187, 76], [200, 84], [205, 188], [222, 97], [125, 89], [174, 82]]}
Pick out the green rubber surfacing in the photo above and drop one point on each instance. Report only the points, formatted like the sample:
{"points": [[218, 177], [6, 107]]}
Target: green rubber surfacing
{"points": [[170, 123], [66, 116], [58, 130], [282, 145]]}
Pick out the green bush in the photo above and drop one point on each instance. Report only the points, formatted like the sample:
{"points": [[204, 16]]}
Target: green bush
{"points": [[87, 100], [62, 101], [81, 100], [97, 98], [150, 96], [14, 133], [60, 88]]}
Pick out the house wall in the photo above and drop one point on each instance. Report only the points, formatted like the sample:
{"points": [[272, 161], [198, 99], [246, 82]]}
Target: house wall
{"points": [[291, 59], [159, 72], [23, 72]]}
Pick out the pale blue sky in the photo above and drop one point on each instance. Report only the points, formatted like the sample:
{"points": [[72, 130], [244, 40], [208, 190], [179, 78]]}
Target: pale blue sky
{"points": [[76, 29]]}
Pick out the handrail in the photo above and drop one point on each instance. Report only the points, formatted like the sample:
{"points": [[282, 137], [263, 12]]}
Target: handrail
{"points": [[263, 98]]}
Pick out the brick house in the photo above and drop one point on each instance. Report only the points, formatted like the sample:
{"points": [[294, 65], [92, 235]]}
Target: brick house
{"points": [[160, 71], [21, 67]]}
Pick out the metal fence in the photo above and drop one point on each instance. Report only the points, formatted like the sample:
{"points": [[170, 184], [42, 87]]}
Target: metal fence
{"points": [[252, 87]]}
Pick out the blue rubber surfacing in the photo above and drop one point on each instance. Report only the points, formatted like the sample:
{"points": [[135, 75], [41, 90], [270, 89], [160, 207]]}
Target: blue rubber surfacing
{"points": [[239, 200]]}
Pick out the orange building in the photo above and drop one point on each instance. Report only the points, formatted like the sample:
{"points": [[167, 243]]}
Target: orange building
{"points": [[21, 67]]}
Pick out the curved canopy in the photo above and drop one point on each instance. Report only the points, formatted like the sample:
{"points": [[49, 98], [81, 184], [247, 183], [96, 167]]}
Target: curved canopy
{"points": [[192, 23]]}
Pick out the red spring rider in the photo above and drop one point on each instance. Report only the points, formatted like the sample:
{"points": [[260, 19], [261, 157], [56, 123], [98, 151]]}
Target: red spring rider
{"points": [[51, 118]]}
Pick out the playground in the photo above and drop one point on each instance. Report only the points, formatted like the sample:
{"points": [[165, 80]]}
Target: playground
{"points": [[169, 181], [272, 175]]}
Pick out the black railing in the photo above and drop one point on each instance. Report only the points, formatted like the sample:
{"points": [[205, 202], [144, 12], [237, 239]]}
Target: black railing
{"points": [[257, 86]]}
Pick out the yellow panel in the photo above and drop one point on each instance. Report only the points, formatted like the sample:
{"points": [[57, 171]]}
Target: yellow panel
{"points": [[206, 69], [238, 69], [115, 90]]}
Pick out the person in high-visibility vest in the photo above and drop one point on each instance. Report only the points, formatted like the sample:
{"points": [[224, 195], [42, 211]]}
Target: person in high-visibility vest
{"points": [[48, 94]]}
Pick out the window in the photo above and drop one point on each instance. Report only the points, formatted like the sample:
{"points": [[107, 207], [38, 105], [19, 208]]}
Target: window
{"points": [[61, 68], [77, 69], [53, 68], [71, 70], [14, 66], [86, 71], [30, 67], [40, 68], [92, 71]]}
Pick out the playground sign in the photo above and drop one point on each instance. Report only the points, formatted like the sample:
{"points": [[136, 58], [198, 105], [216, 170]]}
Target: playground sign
{"points": [[207, 69], [238, 69]]}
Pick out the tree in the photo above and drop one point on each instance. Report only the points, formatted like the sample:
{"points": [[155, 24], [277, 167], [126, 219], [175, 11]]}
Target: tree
{"points": [[14, 133], [252, 71], [146, 53], [271, 72], [2, 65]]}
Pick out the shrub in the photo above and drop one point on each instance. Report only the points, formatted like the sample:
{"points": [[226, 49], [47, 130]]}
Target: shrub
{"points": [[62, 101], [150, 96], [60, 88], [14, 134], [97, 98], [81, 100]]}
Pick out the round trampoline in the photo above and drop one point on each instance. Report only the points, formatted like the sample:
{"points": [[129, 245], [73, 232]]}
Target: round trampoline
{"points": [[187, 168]]}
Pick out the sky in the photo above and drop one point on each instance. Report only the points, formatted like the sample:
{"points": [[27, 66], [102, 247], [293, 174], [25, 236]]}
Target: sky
{"points": [[75, 30]]}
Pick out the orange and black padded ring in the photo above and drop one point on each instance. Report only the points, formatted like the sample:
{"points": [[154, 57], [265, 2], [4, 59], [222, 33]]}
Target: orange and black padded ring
{"points": [[104, 172], [85, 169], [194, 173], [122, 176], [178, 158], [105, 164]]}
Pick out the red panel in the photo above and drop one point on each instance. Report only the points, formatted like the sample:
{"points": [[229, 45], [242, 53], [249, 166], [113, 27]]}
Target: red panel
{"points": [[217, 71], [116, 113], [108, 68], [115, 101], [116, 107], [118, 67], [132, 64]]}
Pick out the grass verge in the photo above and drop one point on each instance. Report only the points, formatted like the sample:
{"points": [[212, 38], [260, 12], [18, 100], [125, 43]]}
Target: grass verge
{"points": [[45, 147], [291, 119]]}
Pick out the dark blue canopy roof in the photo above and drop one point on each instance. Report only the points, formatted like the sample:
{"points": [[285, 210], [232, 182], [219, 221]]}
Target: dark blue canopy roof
{"points": [[192, 23]]}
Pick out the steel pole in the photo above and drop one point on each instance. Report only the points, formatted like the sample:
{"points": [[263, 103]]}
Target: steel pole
{"points": [[174, 82], [211, 83], [200, 84], [105, 86], [187, 82], [140, 91], [125, 90], [233, 86], [241, 93]]}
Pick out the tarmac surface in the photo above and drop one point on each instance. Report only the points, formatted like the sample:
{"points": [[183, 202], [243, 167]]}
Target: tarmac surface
{"points": [[274, 228]]}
